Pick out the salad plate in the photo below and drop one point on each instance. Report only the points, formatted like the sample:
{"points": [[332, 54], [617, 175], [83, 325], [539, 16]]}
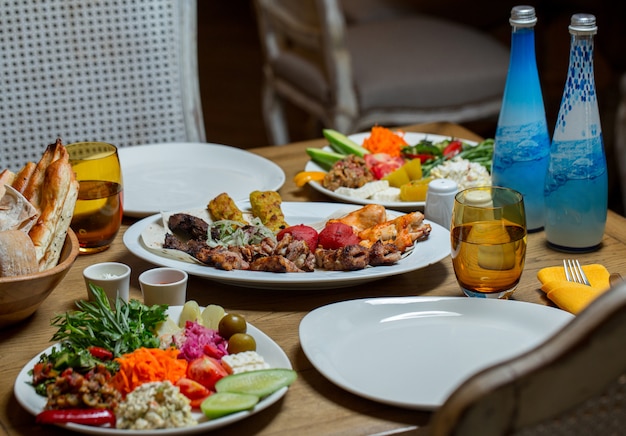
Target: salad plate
{"points": [[411, 138], [427, 346], [172, 176], [266, 347], [435, 248]]}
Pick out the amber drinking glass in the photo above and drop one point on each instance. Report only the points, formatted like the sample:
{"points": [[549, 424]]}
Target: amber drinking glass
{"points": [[99, 208], [488, 237]]}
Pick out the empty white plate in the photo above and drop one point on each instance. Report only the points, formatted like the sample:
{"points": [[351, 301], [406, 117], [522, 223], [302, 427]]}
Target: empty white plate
{"points": [[413, 352]]}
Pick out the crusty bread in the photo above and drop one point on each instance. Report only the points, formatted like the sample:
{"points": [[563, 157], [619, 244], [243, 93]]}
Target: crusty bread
{"points": [[58, 194], [51, 255], [17, 254], [7, 177], [23, 176], [33, 189], [50, 187]]}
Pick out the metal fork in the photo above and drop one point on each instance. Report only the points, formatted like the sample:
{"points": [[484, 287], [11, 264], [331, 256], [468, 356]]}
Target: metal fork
{"points": [[574, 272]]}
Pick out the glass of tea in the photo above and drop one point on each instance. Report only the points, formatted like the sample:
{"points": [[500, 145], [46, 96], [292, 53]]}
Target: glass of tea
{"points": [[99, 207], [488, 237]]}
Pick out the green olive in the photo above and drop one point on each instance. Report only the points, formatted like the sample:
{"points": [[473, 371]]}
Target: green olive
{"points": [[230, 324], [240, 342]]}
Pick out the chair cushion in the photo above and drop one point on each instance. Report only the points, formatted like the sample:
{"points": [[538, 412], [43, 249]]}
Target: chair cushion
{"points": [[424, 62]]}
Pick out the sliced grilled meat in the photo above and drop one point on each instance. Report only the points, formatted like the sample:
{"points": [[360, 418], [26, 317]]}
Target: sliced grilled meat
{"points": [[348, 258], [297, 251], [384, 254], [189, 226], [275, 263]]}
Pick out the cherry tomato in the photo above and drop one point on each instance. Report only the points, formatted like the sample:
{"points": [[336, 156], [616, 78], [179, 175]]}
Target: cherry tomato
{"points": [[381, 164], [193, 390], [452, 149], [206, 371]]}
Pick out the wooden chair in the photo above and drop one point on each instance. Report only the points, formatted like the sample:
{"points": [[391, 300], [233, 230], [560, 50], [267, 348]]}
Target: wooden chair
{"points": [[119, 71], [403, 69], [573, 384]]}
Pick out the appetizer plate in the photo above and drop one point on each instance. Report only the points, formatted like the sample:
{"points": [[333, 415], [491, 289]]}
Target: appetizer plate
{"points": [[266, 347], [425, 346], [435, 248], [176, 176], [407, 206]]}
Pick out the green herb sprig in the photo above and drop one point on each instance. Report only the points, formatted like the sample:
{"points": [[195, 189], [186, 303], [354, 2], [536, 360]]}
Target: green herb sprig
{"points": [[120, 330]]}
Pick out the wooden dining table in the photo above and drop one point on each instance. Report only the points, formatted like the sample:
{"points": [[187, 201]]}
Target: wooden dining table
{"points": [[313, 405]]}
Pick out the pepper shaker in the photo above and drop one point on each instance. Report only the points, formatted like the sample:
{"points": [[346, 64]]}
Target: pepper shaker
{"points": [[440, 200]]}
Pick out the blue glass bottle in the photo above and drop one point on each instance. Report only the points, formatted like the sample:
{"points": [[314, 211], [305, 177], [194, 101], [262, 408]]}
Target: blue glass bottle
{"points": [[577, 181], [522, 141]]}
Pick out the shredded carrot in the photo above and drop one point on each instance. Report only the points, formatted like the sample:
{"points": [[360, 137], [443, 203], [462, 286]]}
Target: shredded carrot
{"points": [[383, 140], [148, 365]]}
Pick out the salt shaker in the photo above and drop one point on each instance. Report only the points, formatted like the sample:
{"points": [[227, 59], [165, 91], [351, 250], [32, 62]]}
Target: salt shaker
{"points": [[522, 143], [440, 200], [576, 189]]}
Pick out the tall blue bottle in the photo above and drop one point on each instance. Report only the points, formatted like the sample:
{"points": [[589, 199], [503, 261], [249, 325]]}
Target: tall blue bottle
{"points": [[522, 141], [577, 181]]}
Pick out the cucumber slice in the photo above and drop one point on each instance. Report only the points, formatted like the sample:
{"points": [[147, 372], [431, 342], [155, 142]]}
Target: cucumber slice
{"points": [[260, 382], [342, 144], [225, 403], [325, 159]]}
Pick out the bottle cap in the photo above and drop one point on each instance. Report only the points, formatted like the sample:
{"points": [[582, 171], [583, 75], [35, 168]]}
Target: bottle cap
{"points": [[478, 198], [583, 23], [523, 16]]}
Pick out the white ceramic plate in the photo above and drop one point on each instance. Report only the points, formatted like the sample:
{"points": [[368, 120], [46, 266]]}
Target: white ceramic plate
{"points": [[266, 347], [425, 253], [413, 352], [411, 138], [176, 176]]}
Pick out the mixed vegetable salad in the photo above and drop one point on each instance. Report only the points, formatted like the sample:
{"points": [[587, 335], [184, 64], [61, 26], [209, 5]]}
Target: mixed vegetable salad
{"points": [[133, 367], [405, 168]]}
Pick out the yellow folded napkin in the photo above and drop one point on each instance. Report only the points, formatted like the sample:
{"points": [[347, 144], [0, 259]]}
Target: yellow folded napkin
{"points": [[570, 296]]}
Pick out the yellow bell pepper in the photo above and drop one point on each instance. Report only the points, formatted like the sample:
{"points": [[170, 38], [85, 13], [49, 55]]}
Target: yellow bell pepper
{"points": [[304, 177], [397, 177], [415, 190], [414, 169]]}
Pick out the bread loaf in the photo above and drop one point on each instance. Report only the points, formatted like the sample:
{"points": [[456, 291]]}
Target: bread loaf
{"points": [[23, 176], [51, 189], [58, 197], [17, 254]]}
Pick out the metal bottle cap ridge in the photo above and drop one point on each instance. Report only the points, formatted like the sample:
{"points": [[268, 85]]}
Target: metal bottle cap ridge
{"points": [[583, 23], [523, 16]]}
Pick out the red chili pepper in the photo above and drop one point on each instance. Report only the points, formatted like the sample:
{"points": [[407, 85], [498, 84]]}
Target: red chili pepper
{"points": [[93, 417], [100, 353], [452, 149]]}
